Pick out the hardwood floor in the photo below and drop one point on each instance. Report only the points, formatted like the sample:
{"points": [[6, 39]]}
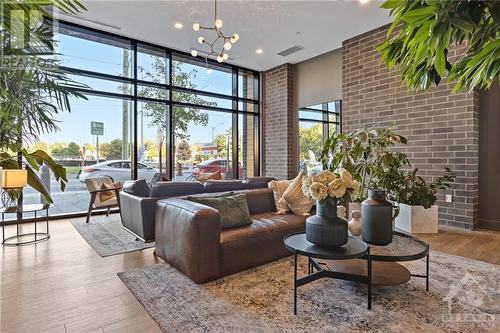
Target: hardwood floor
{"points": [[483, 245], [63, 286]]}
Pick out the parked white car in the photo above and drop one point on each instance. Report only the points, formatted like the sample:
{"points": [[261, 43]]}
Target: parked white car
{"points": [[118, 170]]}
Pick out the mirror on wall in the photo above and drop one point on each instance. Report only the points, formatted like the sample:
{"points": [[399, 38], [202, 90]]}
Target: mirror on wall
{"points": [[316, 123]]}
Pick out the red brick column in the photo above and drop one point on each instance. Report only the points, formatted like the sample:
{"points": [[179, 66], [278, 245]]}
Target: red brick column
{"points": [[279, 123]]}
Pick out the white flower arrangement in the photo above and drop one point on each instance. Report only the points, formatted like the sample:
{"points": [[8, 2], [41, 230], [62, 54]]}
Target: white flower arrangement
{"points": [[329, 184]]}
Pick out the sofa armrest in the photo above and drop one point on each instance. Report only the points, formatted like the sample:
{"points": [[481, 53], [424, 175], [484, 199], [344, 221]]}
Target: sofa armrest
{"points": [[188, 237], [138, 215]]}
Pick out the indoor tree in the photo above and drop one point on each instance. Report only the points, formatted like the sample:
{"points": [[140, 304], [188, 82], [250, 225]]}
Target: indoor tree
{"points": [[424, 31], [33, 90], [183, 115]]}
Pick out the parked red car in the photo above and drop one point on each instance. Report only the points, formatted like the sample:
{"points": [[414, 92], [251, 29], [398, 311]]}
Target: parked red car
{"points": [[211, 166]]}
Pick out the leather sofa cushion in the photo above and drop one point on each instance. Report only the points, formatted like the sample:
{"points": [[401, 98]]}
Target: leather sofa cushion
{"points": [[257, 182], [261, 242], [175, 189], [263, 223], [212, 186], [137, 187]]}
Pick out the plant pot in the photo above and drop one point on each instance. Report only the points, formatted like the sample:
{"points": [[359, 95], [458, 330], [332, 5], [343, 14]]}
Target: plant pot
{"points": [[326, 228], [417, 219], [376, 212]]}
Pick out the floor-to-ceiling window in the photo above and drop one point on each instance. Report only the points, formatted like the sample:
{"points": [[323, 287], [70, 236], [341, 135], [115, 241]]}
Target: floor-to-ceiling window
{"points": [[149, 110], [316, 124]]}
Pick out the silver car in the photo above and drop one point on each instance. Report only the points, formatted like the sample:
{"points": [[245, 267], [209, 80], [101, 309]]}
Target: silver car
{"points": [[118, 170]]}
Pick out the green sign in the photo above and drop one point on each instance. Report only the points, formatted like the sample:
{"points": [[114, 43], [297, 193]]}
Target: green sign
{"points": [[96, 128]]}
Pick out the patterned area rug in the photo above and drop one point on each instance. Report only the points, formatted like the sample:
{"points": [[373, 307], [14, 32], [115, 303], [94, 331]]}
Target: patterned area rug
{"points": [[107, 237], [463, 297]]}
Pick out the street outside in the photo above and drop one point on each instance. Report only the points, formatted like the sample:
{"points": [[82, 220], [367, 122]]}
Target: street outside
{"points": [[75, 197]]}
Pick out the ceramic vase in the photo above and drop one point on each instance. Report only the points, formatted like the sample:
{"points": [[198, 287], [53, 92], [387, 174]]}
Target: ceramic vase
{"points": [[326, 228], [376, 228], [355, 223]]}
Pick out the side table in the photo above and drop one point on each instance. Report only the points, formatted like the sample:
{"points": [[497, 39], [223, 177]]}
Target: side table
{"points": [[20, 238]]}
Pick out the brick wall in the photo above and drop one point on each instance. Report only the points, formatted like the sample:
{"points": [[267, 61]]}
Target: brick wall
{"points": [[279, 129], [442, 129]]}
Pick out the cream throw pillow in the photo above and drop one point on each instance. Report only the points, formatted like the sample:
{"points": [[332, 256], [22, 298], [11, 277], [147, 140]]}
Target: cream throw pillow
{"points": [[279, 187], [295, 198]]}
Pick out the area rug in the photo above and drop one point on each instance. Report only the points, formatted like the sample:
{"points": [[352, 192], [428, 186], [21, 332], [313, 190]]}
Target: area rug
{"points": [[105, 234], [463, 297]]}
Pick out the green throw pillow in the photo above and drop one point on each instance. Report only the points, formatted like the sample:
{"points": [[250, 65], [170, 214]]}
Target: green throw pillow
{"points": [[233, 209]]}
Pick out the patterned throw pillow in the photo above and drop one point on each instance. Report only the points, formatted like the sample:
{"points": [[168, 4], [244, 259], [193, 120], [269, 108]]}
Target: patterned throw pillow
{"points": [[233, 210], [108, 195], [279, 187], [295, 198]]}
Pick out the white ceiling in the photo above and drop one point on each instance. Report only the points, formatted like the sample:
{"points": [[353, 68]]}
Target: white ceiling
{"points": [[318, 26]]}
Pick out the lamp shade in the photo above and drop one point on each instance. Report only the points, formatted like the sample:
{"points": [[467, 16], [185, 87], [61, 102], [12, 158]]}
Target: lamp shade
{"points": [[13, 178]]}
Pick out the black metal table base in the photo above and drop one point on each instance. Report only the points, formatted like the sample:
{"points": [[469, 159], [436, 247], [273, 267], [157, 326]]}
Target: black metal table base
{"points": [[36, 236], [326, 273], [426, 275]]}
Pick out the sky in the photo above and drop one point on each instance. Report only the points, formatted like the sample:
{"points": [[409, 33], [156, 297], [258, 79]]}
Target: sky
{"points": [[102, 58]]}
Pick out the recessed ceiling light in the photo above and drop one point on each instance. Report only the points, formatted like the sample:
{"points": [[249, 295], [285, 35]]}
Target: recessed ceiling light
{"points": [[259, 51], [363, 1], [178, 25]]}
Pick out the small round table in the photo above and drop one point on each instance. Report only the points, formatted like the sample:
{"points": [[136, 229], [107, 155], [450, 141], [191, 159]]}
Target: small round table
{"points": [[386, 269], [354, 248], [19, 237]]}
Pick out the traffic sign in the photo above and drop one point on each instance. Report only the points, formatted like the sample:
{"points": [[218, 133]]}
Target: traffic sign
{"points": [[96, 128]]}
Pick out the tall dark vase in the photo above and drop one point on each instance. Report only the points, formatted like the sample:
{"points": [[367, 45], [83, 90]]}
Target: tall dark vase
{"points": [[376, 211], [325, 228]]}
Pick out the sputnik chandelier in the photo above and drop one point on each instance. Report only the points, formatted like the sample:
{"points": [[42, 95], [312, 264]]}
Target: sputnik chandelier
{"points": [[227, 42]]}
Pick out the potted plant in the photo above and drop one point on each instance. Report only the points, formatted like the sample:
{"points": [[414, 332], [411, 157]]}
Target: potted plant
{"points": [[33, 93], [416, 201], [368, 155]]}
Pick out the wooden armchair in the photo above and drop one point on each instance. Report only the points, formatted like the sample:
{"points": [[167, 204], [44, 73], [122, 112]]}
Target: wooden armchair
{"points": [[94, 187]]}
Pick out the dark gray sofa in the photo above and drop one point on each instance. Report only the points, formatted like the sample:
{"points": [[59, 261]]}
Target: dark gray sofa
{"points": [[138, 201]]}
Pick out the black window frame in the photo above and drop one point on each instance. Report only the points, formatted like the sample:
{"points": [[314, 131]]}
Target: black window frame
{"points": [[137, 46], [324, 111]]}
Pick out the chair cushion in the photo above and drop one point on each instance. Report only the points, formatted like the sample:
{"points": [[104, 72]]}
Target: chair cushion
{"points": [[279, 187], [106, 196], [212, 186], [175, 189], [137, 187], [217, 175], [295, 198], [233, 209]]}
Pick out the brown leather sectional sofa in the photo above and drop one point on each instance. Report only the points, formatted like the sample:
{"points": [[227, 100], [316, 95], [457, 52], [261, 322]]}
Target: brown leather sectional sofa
{"points": [[188, 236]]}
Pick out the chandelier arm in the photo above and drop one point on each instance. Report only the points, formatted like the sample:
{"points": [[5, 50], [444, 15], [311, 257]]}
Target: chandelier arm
{"points": [[215, 11], [214, 51]]}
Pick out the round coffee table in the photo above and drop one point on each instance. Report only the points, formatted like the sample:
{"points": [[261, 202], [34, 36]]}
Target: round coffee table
{"points": [[355, 248], [386, 271]]}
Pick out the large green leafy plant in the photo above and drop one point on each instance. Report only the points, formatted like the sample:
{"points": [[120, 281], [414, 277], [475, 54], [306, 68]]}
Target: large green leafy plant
{"points": [[372, 158], [423, 32], [411, 189], [33, 91], [367, 154]]}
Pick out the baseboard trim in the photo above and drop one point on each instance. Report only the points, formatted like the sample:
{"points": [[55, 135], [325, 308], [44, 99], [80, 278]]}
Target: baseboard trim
{"points": [[489, 224]]}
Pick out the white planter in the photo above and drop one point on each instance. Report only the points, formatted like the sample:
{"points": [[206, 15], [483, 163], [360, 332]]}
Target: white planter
{"points": [[417, 219]]}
